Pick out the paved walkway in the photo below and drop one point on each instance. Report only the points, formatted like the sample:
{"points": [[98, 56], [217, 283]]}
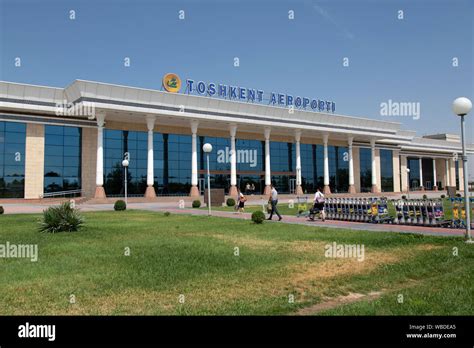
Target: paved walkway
{"points": [[287, 219], [357, 226]]}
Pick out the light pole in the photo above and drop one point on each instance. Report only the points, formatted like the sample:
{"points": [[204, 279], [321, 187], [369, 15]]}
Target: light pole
{"points": [[461, 107], [207, 148], [125, 165]]}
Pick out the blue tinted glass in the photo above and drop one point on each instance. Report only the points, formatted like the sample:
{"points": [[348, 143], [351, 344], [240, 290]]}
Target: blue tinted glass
{"points": [[15, 127], [53, 150], [62, 158], [72, 131], [54, 130], [72, 141], [53, 139]]}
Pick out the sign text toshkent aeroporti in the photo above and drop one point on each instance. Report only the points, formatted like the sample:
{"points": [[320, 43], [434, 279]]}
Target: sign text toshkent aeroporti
{"points": [[256, 95]]}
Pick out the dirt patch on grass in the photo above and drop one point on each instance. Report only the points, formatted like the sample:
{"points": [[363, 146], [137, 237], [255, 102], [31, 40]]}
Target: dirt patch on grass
{"points": [[338, 301], [305, 246], [331, 268]]}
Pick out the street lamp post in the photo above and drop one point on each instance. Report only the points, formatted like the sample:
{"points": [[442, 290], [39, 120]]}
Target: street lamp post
{"points": [[207, 148], [125, 164], [461, 107]]}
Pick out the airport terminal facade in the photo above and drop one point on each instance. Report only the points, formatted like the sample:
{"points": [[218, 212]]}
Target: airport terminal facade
{"points": [[73, 139]]}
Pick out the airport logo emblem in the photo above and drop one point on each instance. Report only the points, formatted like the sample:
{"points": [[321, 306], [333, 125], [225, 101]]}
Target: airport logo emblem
{"points": [[172, 83]]}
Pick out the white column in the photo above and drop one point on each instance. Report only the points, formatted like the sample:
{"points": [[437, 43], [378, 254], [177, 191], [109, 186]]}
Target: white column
{"points": [[446, 179], [194, 166], [420, 163], [150, 177], [299, 189], [268, 175], [327, 189], [350, 140], [374, 167], [435, 187], [233, 161], [99, 181]]}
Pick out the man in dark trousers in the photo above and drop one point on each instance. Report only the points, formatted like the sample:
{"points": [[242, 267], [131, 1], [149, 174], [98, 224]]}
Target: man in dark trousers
{"points": [[274, 202]]}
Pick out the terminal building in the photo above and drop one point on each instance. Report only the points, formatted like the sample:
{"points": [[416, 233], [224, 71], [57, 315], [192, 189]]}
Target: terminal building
{"points": [[55, 141]]}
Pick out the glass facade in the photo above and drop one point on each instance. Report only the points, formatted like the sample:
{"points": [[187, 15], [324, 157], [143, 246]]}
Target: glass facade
{"points": [[172, 163], [386, 170], [12, 159], [456, 171], [250, 164], [365, 156], [428, 179], [282, 165], [175, 176], [62, 158], [116, 144], [338, 169], [312, 167], [414, 175], [219, 161]]}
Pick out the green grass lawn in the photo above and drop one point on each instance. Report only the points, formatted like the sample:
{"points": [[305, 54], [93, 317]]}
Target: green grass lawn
{"points": [[194, 256]]}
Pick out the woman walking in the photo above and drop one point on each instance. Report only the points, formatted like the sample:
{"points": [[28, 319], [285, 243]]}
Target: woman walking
{"points": [[241, 202]]}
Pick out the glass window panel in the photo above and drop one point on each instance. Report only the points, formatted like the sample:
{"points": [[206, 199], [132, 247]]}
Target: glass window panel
{"points": [[72, 141], [54, 130], [63, 159], [72, 131], [53, 172], [15, 127], [113, 134], [53, 150], [15, 138], [53, 161], [53, 139]]}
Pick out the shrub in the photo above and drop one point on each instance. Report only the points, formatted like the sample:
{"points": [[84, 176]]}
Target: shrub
{"points": [[425, 197], [258, 216], [230, 202], [196, 203], [1, 210], [167, 213], [458, 195], [63, 218], [120, 205], [404, 197], [443, 196]]}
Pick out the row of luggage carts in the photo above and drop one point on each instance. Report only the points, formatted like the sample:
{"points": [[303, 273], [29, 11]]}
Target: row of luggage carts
{"points": [[417, 212]]}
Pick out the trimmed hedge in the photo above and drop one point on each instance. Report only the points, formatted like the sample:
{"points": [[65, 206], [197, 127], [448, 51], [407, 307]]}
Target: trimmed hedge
{"points": [[258, 217], [1, 210], [120, 205], [196, 203], [230, 202]]}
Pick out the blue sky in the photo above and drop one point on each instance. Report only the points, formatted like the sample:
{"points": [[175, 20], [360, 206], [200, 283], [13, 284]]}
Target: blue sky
{"points": [[407, 60]]}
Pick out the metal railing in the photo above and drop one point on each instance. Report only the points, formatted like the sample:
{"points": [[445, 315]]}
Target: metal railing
{"points": [[69, 193]]}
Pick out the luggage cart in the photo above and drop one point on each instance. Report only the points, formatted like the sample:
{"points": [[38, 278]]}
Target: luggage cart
{"points": [[302, 206]]}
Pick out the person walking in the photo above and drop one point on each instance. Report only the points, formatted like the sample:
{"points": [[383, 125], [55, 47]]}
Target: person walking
{"points": [[274, 201], [241, 202], [247, 188], [318, 203]]}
